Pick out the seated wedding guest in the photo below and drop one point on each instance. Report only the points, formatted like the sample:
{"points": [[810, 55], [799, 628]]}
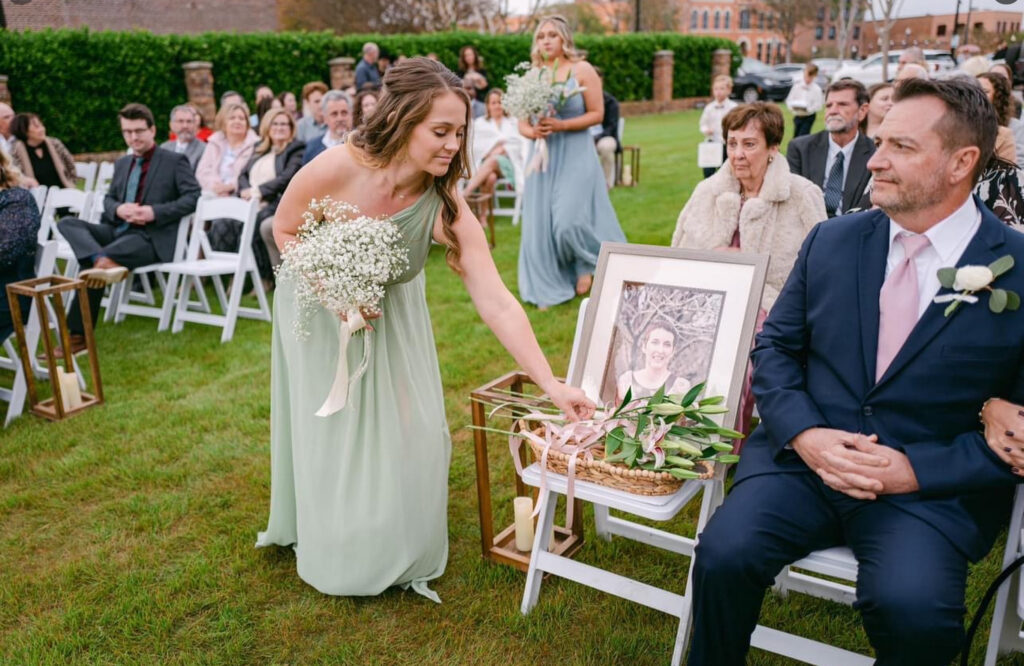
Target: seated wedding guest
{"points": [[606, 135], [151, 190], [274, 162], [997, 90], [497, 147], [714, 111], [337, 111], [19, 226], [912, 70], [367, 74], [288, 101], [227, 151], [869, 431], [752, 204], [42, 160], [911, 56], [184, 123], [805, 99], [365, 104], [879, 103], [470, 61], [264, 105], [656, 349], [836, 158], [1015, 123], [263, 92], [1000, 189], [469, 84], [311, 125], [6, 116], [231, 97]]}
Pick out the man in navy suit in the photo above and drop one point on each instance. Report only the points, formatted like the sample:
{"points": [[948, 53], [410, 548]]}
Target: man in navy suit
{"points": [[868, 440]]}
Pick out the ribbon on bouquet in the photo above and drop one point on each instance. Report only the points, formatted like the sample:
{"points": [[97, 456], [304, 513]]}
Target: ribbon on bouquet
{"points": [[541, 155], [337, 398]]}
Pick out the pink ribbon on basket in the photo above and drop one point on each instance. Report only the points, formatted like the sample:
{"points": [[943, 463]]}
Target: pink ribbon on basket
{"points": [[586, 435]]}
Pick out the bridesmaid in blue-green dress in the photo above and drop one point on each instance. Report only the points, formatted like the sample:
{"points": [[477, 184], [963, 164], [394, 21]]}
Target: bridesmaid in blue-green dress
{"points": [[361, 495], [566, 210]]}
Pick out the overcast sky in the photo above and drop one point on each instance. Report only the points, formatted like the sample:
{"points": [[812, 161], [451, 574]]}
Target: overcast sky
{"points": [[908, 8]]}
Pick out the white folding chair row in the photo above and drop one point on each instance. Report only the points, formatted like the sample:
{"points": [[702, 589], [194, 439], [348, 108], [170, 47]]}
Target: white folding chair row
{"points": [[202, 261], [1007, 634], [39, 194], [505, 190], [46, 258], [81, 204], [103, 176]]}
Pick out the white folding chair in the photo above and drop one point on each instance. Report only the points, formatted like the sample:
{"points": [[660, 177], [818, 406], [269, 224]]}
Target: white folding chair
{"points": [[39, 194], [1007, 634], [81, 204], [87, 172], [126, 300], [103, 176], [214, 265], [46, 259], [505, 190], [652, 508]]}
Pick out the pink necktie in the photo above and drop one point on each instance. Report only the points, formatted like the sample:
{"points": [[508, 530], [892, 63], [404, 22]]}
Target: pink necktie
{"points": [[898, 303]]}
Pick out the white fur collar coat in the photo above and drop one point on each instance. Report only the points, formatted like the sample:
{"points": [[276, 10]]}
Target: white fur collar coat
{"points": [[774, 223]]}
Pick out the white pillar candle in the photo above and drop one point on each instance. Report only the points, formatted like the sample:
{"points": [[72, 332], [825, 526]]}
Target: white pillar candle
{"points": [[70, 392], [523, 507]]}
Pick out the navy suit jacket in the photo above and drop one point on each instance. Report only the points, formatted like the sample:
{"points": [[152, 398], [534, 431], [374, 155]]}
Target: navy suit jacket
{"points": [[807, 156], [814, 365]]}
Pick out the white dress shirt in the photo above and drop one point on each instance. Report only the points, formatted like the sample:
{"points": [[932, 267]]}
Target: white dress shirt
{"points": [[833, 150], [711, 118], [949, 238]]}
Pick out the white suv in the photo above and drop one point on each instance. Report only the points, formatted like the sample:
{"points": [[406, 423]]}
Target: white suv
{"points": [[869, 70]]}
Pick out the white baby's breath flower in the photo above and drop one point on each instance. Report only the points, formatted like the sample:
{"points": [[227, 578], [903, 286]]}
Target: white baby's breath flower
{"points": [[973, 278], [341, 260]]}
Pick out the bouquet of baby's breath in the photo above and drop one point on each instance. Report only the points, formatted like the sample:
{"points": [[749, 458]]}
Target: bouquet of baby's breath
{"points": [[341, 260], [533, 95]]}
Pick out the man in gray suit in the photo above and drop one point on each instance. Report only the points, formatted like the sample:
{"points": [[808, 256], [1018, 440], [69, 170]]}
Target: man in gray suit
{"points": [[184, 125], [836, 158], [151, 190]]}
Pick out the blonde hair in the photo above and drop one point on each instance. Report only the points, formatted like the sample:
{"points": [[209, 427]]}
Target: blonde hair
{"points": [[494, 92], [10, 175], [409, 91], [722, 78], [221, 122], [265, 143], [561, 26]]}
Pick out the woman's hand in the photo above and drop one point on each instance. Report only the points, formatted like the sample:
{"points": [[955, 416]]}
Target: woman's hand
{"points": [[1004, 432], [550, 126], [223, 189], [572, 401]]}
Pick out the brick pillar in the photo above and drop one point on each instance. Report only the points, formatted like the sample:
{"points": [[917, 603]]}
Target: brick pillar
{"points": [[721, 63], [5, 93], [343, 73], [663, 63], [199, 84]]}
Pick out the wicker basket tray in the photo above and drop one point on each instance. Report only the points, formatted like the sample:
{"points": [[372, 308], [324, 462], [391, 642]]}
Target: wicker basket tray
{"points": [[614, 475]]}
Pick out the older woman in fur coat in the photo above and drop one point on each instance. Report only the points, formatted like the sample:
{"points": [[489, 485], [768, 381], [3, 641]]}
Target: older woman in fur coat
{"points": [[753, 203]]}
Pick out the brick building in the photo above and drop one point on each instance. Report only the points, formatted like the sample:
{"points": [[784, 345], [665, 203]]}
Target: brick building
{"points": [[742, 21], [158, 16], [987, 28]]}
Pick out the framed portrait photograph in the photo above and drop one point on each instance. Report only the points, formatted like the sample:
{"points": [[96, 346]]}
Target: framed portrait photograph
{"points": [[661, 316]]}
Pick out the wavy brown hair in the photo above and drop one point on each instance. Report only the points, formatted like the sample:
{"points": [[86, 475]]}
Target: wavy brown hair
{"points": [[1001, 96], [409, 91], [10, 175]]}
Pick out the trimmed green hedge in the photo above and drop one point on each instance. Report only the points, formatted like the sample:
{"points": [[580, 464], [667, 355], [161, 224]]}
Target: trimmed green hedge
{"points": [[77, 79]]}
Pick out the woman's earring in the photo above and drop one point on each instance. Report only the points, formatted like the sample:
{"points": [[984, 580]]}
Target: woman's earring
{"points": [[770, 158]]}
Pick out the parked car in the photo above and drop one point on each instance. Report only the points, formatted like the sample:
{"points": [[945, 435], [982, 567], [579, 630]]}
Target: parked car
{"points": [[755, 80], [869, 70], [795, 72], [828, 66]]}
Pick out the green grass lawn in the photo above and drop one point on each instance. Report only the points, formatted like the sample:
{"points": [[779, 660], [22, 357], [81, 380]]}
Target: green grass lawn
{"points": [[126, 533]]}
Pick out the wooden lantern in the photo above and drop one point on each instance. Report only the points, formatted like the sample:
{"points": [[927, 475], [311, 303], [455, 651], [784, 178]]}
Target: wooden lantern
{"points": [[47, 292], [501, 547]]}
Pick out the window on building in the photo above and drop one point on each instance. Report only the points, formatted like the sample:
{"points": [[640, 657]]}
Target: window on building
{"points": [[778, 52], [693, 19], [821, 12], [819, 32], [728, 19], [760, 21], [718, 18], [760, 50], [745, 19], [704, 21], [941, 30], [856, 32], [771, 21], [832, 32]]}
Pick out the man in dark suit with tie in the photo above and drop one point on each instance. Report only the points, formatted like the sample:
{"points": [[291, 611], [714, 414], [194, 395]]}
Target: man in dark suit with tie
{"points": [[836, 158], [869, 397], [151, 190]]}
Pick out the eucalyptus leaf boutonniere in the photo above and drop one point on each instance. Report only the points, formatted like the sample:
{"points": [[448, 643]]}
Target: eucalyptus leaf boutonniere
{"points": [[968, 280]]}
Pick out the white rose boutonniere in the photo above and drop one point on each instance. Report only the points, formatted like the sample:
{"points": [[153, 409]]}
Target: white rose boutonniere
{"points": [[966, 281]]}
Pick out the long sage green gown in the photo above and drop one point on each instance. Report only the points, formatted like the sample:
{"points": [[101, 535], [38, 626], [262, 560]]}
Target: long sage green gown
{"points": [[361, 495]]}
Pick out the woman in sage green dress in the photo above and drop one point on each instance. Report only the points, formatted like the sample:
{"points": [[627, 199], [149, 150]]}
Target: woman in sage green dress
{"points": [[361, 495]]}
